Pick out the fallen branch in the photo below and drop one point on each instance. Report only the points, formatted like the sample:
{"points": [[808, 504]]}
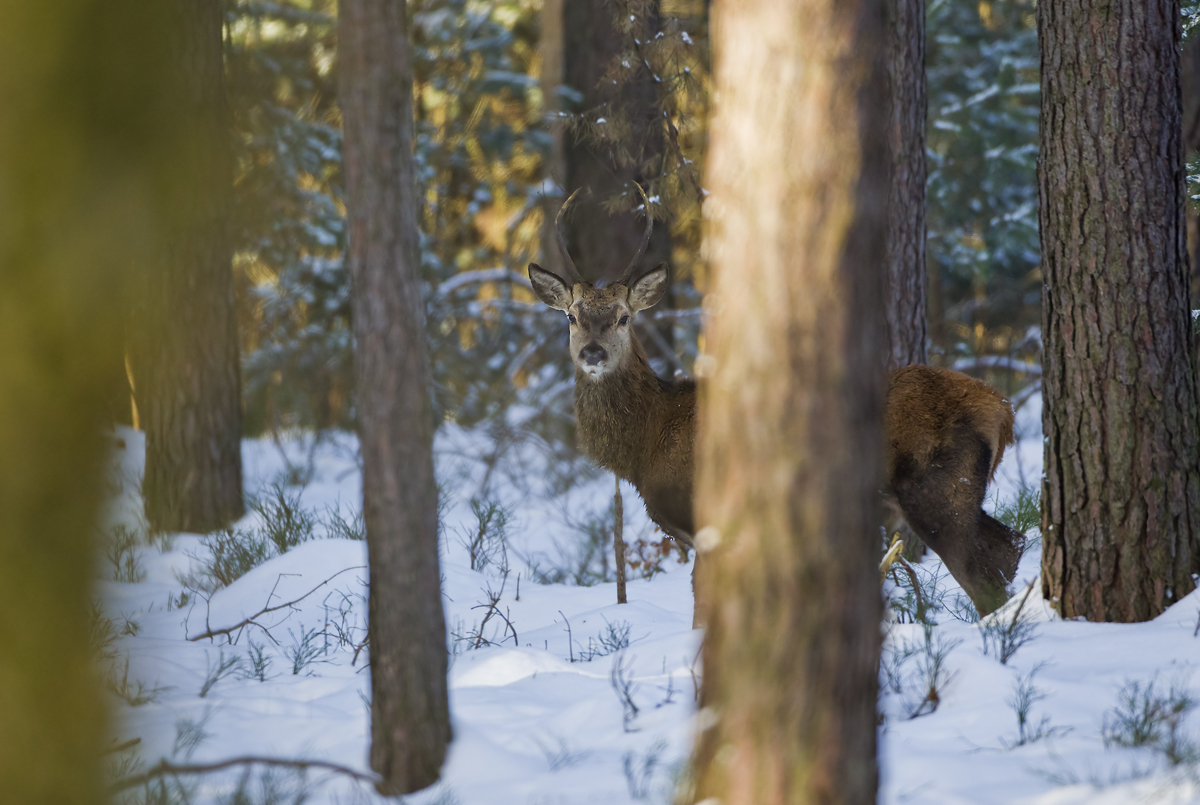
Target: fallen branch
{"points": [[250, 621], [163, 769]]}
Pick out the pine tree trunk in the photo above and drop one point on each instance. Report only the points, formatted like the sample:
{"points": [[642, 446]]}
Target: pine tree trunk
{"points": [[1122, 480], [410, 719], [86, 140], [185, 350], [1190, 80], [905, 301], [791, 435], [603, 244]]}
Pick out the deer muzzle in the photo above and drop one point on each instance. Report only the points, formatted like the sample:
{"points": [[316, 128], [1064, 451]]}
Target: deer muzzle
{"points": [[593, 354]]}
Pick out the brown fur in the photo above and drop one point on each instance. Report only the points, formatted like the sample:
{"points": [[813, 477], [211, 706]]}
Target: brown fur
{"points": [[946, 433]]}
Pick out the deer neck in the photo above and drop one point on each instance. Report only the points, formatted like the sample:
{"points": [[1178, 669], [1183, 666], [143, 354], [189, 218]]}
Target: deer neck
{"points": [[614, 413]]}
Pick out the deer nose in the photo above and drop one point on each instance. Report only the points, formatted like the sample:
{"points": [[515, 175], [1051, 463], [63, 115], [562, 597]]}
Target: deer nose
{"points": [[592, 354]]}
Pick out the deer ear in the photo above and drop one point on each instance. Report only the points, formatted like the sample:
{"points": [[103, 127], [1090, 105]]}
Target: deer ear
{"points": [[549, 287], [649, 289]]}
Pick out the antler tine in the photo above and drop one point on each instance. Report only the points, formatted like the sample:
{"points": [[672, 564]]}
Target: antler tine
{"points": [[568, 263], [628, 275]]}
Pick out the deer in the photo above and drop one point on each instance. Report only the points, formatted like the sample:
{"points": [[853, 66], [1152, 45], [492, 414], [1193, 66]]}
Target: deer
{"points": [[946, 432]]}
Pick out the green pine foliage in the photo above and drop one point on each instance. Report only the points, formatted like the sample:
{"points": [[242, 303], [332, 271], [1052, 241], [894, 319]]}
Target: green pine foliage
{"points": [[982, 67]]}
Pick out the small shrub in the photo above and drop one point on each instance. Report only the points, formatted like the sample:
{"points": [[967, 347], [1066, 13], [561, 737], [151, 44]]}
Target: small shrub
{"points": [[258, 663], [1025, 695], [1002, 638], [921, 689], [560, 756], [640, 771], [1024, 511], [647, 558], [189, 734], [621, 678], [306, 649], [588, 562], [338, 526], [613, 639], [215, 673], [486, 542], [102, 633], [1146, 716], [285, 522], [120, 546], [135, 693], [232, 553]]}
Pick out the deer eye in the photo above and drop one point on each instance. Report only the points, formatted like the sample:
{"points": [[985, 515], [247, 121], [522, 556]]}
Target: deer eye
{"points": [[570, 318], [624, 320]]}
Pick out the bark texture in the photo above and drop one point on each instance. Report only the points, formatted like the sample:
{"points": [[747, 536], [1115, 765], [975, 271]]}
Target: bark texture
{"points": [[410, 718], [905, 305], [791, 437], [185, 349], [86, 131], [1122, 480], [602, 244]]}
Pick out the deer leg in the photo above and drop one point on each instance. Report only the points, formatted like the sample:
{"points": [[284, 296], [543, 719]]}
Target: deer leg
{"points": [[942, 501]]}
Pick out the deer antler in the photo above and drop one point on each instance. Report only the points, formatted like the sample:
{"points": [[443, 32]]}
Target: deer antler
{"points": [[568, 263], [628, 275]]}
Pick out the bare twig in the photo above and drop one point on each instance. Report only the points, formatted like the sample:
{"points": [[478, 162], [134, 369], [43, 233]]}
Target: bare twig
{"points": [[619, 542], [481, 275], [163, 768], [251, 621], [112, 750]]}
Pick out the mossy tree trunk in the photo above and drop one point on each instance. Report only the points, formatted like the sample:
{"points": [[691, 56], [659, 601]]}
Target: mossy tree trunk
{"points": [[791, 434], [410, 718], [1122, 480], [88, 141]]}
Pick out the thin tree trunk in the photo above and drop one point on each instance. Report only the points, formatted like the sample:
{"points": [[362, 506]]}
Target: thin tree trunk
{"points": [[86, 140], [905, 301], [550, 48], [791, 435], [1122, 485], [410, 718], [185, 350], [619, 542]]}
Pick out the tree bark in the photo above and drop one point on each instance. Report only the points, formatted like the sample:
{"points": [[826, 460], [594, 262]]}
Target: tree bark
{"points": [[1122, 480], [410, 718], [1190, 80], [184, 352], [87, 141], [602, 243], [905, 301], [791, 436]]}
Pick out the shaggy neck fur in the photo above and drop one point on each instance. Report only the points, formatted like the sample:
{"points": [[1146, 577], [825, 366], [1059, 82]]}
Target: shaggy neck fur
{"points": [[612, 413]]}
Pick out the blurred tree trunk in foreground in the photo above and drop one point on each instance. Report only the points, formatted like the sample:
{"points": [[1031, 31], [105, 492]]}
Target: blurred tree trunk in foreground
{"points": [[791, 436], [85, 138], [184, 350], [1121, 517], [905, 301], [410, 717]]}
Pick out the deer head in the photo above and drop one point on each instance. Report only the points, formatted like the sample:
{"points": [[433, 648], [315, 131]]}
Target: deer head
{"points": [[601, 319]]}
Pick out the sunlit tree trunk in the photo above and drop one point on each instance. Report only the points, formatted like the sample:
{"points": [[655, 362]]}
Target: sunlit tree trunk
{"points": [[1122, 480], [905, 300], [791, 435], [410, 719], [85, 138], [184, 347]]}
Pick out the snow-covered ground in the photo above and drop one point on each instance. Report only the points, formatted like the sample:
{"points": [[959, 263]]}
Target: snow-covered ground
{"points": [[536, 712]]}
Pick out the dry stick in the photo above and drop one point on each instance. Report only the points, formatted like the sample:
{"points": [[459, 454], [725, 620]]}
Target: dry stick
{"points": [[164, 768], [250, 621], [619, 543], [912, 575], [1017, 615], [122, 747]]}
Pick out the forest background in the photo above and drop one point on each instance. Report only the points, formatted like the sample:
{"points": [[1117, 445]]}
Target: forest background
{"points": [[498, 140]]}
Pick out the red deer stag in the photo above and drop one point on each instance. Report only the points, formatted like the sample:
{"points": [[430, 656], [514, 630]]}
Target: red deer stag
{"points": [[946, 432]]}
